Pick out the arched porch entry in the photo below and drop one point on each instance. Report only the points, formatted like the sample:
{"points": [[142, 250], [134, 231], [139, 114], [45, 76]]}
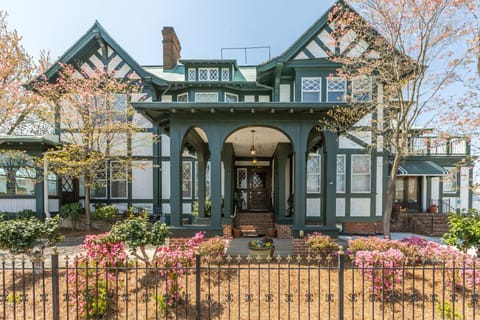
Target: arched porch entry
{"points": [[276, 182]]}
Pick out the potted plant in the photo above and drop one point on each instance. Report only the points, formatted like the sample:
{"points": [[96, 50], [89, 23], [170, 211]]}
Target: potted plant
{"points": [[271, 232], [262, 248]]}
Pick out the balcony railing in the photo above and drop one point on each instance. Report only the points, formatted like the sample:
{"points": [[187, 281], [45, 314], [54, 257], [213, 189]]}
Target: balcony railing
{"points": [[439, 146]]}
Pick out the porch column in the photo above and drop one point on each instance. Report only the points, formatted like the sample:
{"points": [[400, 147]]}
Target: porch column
{"points": [[330, 174], [201, 167], [229, 182], [215, 143], [281, 181], [176, 176], [300, 147]]}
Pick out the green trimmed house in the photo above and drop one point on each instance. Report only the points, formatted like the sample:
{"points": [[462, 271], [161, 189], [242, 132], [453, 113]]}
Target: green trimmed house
{"points": [[252, 139]]}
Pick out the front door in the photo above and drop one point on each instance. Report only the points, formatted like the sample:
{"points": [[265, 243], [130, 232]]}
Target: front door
{"points": [[70, 191], [259, 189]]}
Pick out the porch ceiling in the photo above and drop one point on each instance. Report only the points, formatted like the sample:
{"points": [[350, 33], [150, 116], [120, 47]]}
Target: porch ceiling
{"points": [[266, 140]]}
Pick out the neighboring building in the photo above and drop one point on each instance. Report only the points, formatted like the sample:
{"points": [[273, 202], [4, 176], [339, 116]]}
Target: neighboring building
{"points": [[251, 138]]}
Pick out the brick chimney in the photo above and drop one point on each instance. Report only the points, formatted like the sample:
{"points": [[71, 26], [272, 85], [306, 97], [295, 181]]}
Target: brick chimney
{"points": [[171, 48]]}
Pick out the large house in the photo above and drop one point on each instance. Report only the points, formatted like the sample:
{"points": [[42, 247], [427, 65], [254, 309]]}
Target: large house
{"points": [[251, 139]]}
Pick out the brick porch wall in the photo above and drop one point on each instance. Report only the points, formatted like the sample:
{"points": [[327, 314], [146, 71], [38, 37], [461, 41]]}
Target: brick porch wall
{"points": [[364, 228]]}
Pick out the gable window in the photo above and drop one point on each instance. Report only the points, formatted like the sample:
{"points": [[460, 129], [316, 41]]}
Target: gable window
{"points": [[231, 97], [362, 89], [206, 97], [208, 74], [314, 165], [118, 180], [336, 89], [450, 181], [192, 75], [225, 74], [183, 97], [341, 173], [311, 89], [361, 173]]}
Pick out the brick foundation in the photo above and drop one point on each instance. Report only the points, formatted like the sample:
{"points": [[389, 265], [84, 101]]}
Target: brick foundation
{"points": [[283, 231], [365, 228], [299, 247]]}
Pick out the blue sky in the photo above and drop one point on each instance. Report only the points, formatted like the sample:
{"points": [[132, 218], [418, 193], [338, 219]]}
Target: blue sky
{"points": [[203, 27]]}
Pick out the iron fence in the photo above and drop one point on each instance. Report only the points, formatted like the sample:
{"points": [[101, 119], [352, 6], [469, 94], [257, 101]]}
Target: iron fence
{"points": [[239, 288]]}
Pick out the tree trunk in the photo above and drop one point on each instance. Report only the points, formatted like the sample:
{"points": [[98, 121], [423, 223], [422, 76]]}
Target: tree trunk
{"points": [[88, 223], [387, 214]]}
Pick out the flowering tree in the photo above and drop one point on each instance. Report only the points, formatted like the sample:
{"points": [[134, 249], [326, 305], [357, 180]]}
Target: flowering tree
{"points": [[406, 47], [95, 118], [21, 111]]}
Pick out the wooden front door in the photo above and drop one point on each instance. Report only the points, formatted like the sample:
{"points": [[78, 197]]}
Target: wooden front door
{"points": [[259, 189], [70, 190]]}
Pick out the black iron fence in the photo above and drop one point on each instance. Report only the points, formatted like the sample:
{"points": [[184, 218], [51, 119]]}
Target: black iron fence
{"points": [[238, 288]]}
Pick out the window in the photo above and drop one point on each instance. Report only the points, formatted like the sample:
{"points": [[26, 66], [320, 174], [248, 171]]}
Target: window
{"points": [[225, 74], [99, 189], [341, 173], [183, 97], [311, 90], [362, 89], [450, 181], [118, 180], [361, 173], [187, 179], [208, 74], [231, 97], [52, 184], [206, 97], [192, 75], [25, 181], [3, 181], [314, 164], [336, 89]]}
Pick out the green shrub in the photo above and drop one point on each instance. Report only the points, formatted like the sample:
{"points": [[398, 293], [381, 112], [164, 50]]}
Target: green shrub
{"points": [[72, 211], [463, 230], [26, 214], [105, 213], [21, 235]]}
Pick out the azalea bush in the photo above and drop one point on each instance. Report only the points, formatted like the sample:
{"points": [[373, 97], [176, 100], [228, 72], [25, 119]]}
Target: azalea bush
{"points": [[212, 250], [94, 279], [321, 244], [382, 270]]}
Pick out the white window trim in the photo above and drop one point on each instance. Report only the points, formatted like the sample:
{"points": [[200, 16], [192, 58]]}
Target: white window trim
{"points": [[199, 93], [316, 174], [344, 174], [230, 94], [362, 78], [191, 179], [208, 74], [104, 184], [344, 90], [113, 179], [352, 174], [319, 90], [182, 95], [194, 71], [453, 173], [221, 72]]}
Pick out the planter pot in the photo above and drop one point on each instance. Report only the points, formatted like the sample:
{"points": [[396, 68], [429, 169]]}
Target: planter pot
{"points": [[236, 233], [272, 233], [433, 209], [263, 253]]}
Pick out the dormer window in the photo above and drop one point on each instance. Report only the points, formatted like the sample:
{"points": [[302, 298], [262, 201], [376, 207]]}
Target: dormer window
{"points": [[225, 74], [183, 97], [362, 89], [229, 97], [311, 89], [336, 89], [207, 74], [192, 75]]}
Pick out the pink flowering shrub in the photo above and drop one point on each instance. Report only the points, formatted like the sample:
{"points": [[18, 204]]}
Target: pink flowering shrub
{"points": [[93, 279], [171, 263], [321, 244], [382, 270]]}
